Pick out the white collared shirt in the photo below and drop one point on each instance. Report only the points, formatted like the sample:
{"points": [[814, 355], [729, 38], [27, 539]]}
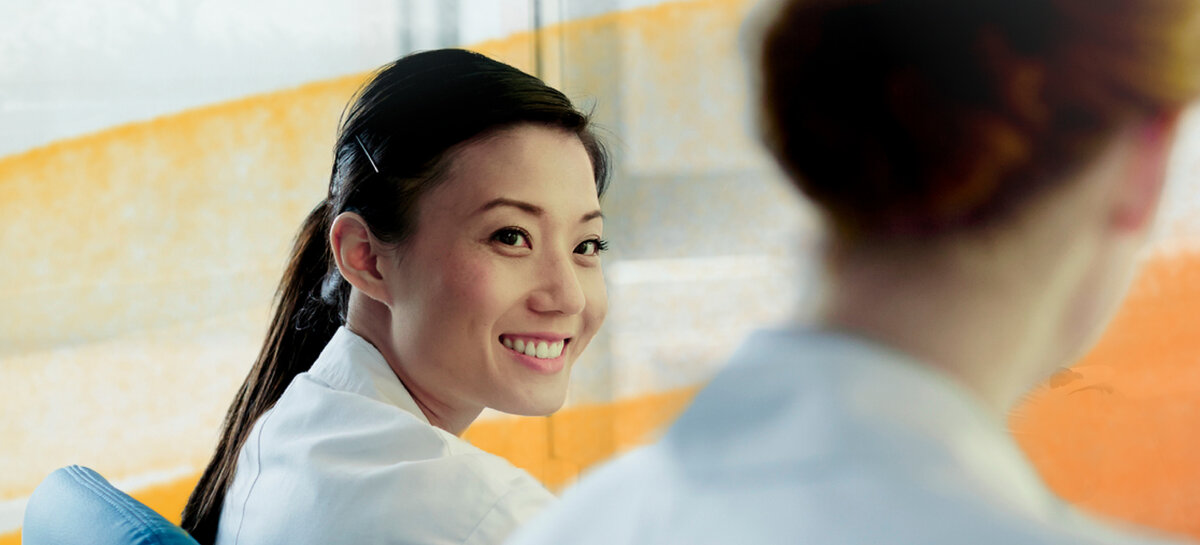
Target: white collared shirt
{"points": [[822, 438], [347, 456]]}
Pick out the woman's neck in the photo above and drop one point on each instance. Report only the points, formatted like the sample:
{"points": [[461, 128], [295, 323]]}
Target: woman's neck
{"points": [[990, 320], [371, 320]]}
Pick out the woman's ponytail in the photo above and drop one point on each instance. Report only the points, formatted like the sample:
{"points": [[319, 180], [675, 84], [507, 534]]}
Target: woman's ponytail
{"points": [[308, 311]]}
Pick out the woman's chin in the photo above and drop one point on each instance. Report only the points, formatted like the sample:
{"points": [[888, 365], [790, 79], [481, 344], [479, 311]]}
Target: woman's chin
{"points": [[536, 404]]}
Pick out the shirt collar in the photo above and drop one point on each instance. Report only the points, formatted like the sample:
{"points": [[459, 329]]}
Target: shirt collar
{"points": [[351, 363]]}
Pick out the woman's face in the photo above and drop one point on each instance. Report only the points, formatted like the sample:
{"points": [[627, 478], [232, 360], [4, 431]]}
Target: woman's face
{"points": [[500, 288]]}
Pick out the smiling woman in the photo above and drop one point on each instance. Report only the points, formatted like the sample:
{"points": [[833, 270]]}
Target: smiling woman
{"points": [[453, 266], [506, 253]]}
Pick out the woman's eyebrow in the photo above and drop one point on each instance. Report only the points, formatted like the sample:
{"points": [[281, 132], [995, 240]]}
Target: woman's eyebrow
{"points": [[531, 209], [524, 206]]}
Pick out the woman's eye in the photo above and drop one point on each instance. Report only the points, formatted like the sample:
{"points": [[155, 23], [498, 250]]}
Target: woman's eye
{"points": [[591, 247], [511, 237]]}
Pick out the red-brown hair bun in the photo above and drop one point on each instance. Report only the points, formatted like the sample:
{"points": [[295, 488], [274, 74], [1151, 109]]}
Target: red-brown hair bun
{"points": [[916, 117]]}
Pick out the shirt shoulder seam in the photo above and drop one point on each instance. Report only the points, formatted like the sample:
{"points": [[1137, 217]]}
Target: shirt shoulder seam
{"points": [[257, 473]]}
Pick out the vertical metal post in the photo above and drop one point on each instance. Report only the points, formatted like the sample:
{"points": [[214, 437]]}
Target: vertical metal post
{"points": [[538, 66], [448, 23], [404, 7]]}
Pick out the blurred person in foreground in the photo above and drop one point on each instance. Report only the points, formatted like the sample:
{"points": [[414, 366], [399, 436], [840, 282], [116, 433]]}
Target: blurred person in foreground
{"points": [[988, 172]]}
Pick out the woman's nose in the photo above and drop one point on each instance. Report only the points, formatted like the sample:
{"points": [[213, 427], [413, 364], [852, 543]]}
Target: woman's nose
{"points": [[557, 287]]}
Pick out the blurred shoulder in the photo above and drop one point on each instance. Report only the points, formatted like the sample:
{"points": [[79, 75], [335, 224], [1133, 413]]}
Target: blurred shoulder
{"points": [[624, 501]]}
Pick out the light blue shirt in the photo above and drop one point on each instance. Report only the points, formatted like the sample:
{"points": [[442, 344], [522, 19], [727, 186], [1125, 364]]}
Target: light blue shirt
{"points": [[821, 438], [347, 456]]}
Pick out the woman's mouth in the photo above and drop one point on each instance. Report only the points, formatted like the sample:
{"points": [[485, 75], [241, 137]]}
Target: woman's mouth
{"points": [[541, 349], [544, 354]]}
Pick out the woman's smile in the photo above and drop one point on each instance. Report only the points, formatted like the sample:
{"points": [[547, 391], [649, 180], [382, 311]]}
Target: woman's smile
{"points": [[542, 353]]}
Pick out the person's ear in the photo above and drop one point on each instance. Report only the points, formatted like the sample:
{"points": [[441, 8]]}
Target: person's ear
{"points": [[358, 255], [1140, 189]]}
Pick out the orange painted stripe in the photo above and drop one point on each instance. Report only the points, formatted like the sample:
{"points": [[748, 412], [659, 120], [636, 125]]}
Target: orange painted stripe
{"points": [[1116, 434], [555, 449]]}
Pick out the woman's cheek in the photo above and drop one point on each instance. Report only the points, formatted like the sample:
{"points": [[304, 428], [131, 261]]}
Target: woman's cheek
{"points": [[490, 287], [467, 282], [597, 300]]}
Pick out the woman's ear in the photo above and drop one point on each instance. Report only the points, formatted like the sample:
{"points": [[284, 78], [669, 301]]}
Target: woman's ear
{"points": [[358, 254], [1140, 189]]}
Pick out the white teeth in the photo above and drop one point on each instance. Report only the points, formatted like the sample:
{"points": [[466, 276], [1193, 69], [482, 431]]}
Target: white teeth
{"points": [[542, 349]]}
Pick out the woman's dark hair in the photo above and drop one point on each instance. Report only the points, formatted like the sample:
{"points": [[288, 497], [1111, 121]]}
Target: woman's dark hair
{"points": [[904, 118], [396, 142]]}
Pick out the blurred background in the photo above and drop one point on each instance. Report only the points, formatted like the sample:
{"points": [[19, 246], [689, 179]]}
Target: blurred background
{"points": [[157, 157]]}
